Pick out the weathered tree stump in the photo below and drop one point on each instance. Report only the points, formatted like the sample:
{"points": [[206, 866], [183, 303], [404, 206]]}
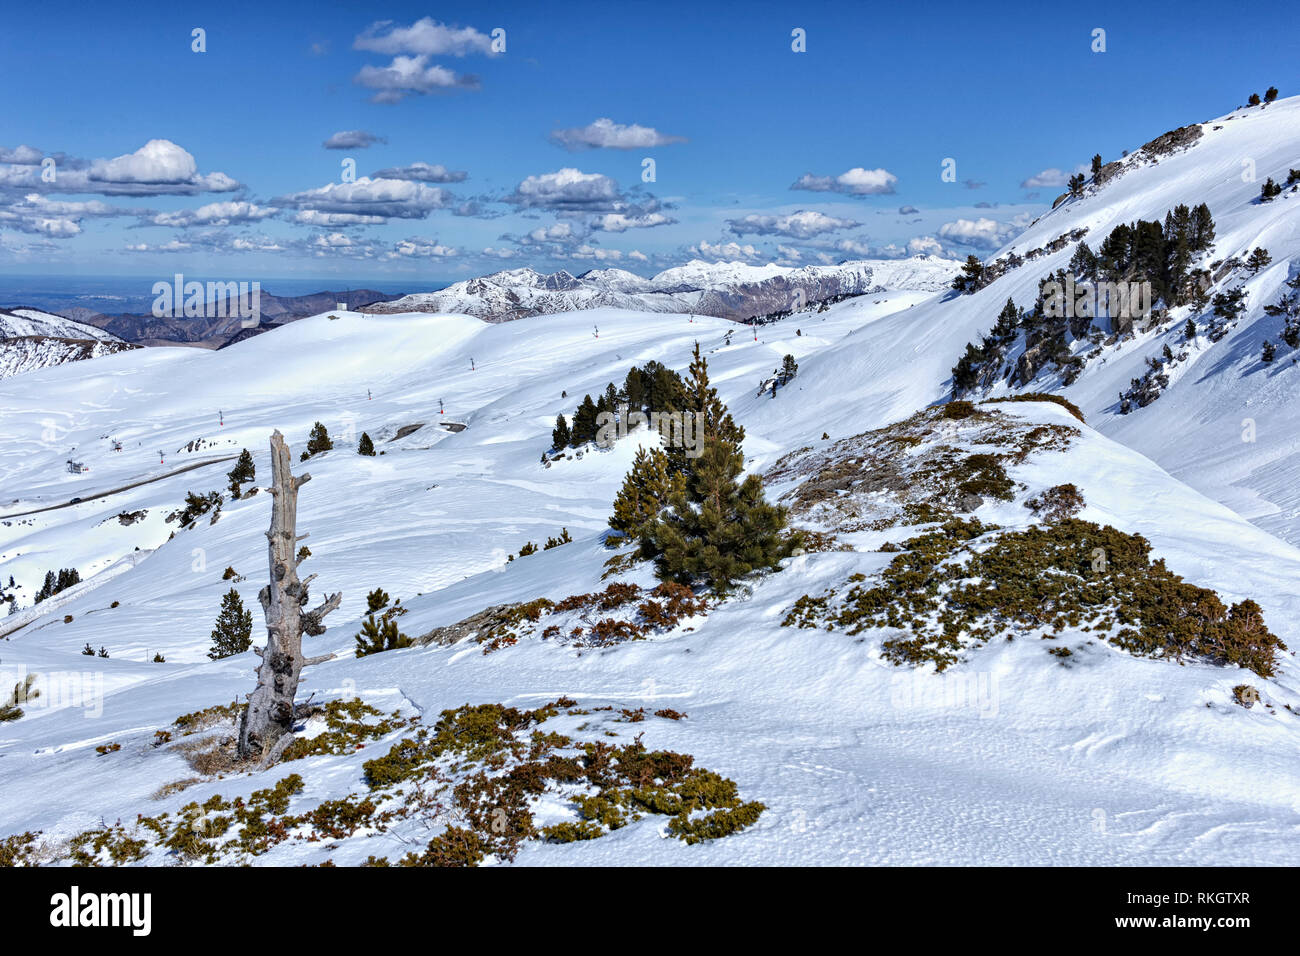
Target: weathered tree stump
{"points": [[267, 723]]}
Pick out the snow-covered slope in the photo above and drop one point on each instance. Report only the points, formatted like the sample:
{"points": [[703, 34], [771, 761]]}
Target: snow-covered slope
{"points": [[732, 290], [21, 323], [1227, 424], [31, 339], [1009, 758]]}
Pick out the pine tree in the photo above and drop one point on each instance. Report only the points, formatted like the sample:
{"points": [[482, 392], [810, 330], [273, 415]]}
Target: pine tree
{"points": [[971, 275], [702, 399], [1189, 330], [1254, 99], [1288, 309], [717, 530], [635, 388], [244, 470], [317, 442], [1083, 264], [1096, 165], [233, 633], [789, 369], [1229, 305], [1270, 94], [1258, 259], [53, 584], [560, 437], [1270, 352], [715, 421], [585, 422], [1075, 185], [966, 373], [1008, 323], [365, 446], [377, 600], [380, 635], [1270, 190], [664, 389], [645, 492], [1202, 228]]}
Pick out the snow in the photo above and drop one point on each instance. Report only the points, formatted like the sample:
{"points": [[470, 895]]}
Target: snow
{"points": [[1010, 758]]}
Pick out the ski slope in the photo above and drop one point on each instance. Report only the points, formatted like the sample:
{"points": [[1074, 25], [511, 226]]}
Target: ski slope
{"points": [[1010, 758]]}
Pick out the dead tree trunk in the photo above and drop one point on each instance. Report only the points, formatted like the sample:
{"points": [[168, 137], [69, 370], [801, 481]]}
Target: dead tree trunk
{"points": [[267, 722]]}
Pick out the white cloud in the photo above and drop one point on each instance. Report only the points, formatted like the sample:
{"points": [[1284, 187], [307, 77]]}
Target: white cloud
{"points": [[21, 155], [426, 36], [370, 198], [36, 203], [333, 240], [159, 168], [214, 214], [568, 189], [604, 133], [175, 245], [423, 172], [925, 246], [803, 224], [1051, 178], [729, 251], [55, 219], [618, 222], [330, 220], [410, 74], [263, 244], [983, 232], [58, 228], [421, 249], [854, 182], [857, 249], [597, 253], [159, 165], [558, 232]]}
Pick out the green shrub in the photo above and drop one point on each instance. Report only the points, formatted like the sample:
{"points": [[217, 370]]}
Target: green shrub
{"points": [[378, 635], [945, 596]]}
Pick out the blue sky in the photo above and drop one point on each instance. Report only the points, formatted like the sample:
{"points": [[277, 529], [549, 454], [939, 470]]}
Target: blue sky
{"points": [[214, 163]]}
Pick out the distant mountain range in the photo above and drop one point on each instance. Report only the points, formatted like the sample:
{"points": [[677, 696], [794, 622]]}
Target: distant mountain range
{"points": [[215, 332], [730, 290]]}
